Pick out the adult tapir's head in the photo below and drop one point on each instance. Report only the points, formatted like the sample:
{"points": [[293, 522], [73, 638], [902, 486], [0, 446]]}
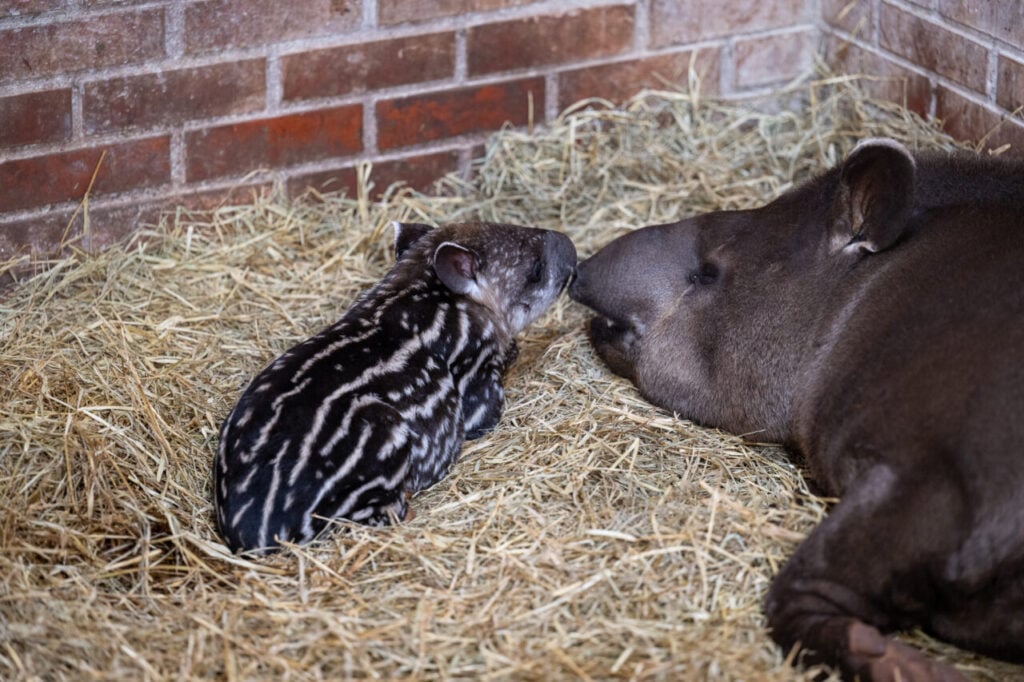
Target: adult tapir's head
{"points": [[715, 316]]}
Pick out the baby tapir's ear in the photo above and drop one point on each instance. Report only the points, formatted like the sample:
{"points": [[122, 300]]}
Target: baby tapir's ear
{"points": [[456, 266], [406, 235], [875, 197]]}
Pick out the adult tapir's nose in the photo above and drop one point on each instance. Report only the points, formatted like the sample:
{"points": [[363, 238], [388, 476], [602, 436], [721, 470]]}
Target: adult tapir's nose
{"points": [[577, 288]]}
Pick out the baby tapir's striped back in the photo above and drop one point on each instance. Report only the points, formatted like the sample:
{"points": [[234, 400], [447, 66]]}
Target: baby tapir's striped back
{"points": [[350, 422]]}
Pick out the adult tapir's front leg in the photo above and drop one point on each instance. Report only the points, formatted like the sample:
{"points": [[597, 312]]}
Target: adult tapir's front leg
{"points": [[869, 568], [615, 345]]}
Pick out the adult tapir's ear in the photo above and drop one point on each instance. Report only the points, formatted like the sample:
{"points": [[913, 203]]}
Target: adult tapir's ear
{"points": [[456, 266], [406, 235], [875, 197]]}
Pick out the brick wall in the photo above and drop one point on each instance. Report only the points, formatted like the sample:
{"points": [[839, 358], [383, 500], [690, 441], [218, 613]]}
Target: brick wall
{"points": [[149, 104], [961, 61], [152, 104]]}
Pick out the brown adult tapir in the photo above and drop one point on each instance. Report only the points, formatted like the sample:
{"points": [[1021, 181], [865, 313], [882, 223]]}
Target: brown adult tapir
{"points": [[872, 320]]}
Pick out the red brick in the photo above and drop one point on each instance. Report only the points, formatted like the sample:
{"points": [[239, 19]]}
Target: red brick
{"points": [[1010, 84], [617, 82], [271, 143], [216, 25], [1009, 19], [882, 78], [933, 47], [979, 14], [686, 21], [50, 235], [369, 66], [971, 121], [772, 59], [440, 115], [35, 117], [111, 225], [401, 11], [417, 172], [22, 8], [173, 97], [209, 200], [100, 4], [39, 236], [340, 180], [47, 235], [71, 46], [536, 41], [852, 16], [65, 176]]}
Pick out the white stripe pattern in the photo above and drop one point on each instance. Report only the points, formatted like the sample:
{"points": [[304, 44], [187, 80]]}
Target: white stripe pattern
{"points": [[376, 406]]}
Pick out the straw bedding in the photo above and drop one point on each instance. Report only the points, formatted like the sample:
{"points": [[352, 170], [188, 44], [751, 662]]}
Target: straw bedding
{"points": [[591, 536]]}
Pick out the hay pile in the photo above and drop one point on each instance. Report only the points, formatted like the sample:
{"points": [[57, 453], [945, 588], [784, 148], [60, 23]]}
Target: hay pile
{"points": [[590, 536]]}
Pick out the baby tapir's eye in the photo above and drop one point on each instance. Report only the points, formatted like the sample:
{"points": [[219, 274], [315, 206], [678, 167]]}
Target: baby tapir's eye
{"points": [[537, 271], [707, 274]]}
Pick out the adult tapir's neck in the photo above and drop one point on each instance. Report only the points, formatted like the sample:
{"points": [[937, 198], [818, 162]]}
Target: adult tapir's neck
{"points": [[913, 320], [945, 180]]}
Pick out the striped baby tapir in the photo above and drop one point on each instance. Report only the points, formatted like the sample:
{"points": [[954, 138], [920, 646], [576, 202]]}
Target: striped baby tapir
{"points": [[351, 422]]}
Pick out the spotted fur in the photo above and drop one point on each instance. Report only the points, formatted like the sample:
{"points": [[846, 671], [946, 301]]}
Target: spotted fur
{"points": [[374, 408]]}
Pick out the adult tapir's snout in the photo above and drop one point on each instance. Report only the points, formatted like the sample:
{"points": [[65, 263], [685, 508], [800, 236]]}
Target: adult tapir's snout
{"points": [[633, 285], [575, 290], [580, 288], [630, 279]]}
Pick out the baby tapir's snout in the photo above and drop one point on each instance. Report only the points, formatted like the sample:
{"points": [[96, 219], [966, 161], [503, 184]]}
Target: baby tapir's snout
{"points": [[563, 254]]}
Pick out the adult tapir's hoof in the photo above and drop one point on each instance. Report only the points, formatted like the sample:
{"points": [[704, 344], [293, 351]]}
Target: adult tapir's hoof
{"points": [[615, 345], [850, 579], [875, 657]]}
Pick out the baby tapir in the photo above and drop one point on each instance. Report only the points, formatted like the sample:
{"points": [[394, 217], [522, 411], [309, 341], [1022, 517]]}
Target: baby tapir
{"points": [[351, 422], [872, 320]]}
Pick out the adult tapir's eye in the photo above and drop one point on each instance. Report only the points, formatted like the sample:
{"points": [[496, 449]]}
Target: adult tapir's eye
{"points": [[537, 271], [707, 274]]}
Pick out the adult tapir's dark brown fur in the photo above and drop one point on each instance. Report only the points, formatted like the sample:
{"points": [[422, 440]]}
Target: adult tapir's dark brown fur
{"points": [[873, 321]]}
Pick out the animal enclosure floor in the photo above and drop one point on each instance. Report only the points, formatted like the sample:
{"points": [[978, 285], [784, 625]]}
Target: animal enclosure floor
{"points": [[590, 536]]}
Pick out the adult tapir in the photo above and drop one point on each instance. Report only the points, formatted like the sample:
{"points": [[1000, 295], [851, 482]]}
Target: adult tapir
{"points": [[872, 320]]}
